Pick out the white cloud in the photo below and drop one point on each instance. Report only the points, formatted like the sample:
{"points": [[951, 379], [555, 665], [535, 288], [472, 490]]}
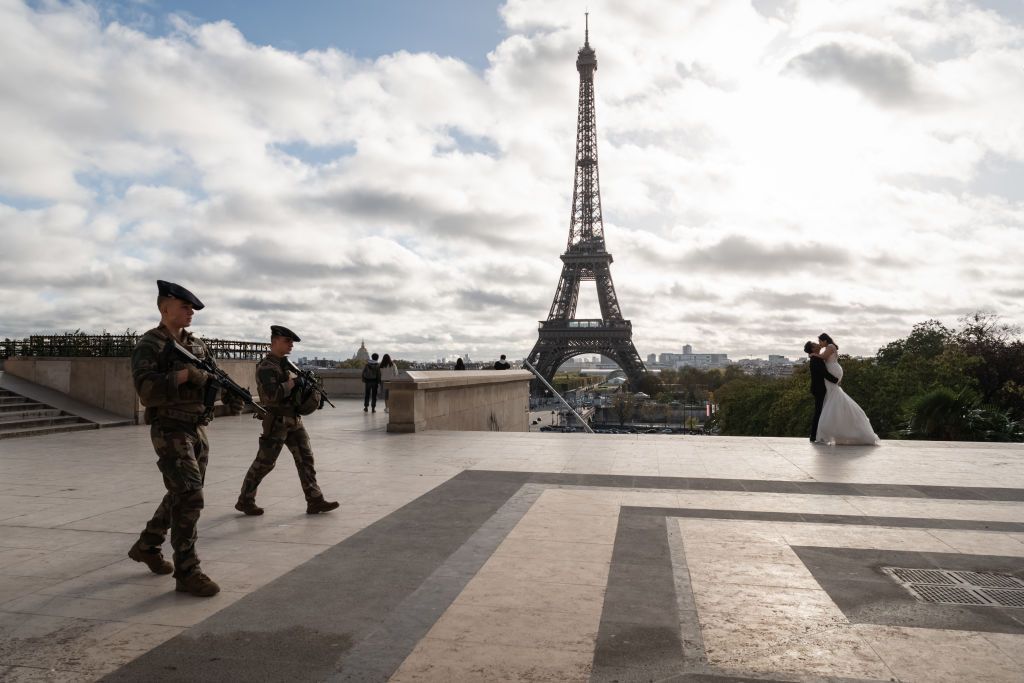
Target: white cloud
{"points": [[753, 155]]}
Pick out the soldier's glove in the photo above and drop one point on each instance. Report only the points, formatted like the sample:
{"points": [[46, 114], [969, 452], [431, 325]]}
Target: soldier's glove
{"points": [[197, 376]]}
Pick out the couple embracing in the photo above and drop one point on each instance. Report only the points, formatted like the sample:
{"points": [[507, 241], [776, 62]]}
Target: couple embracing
{"points": [[837, 417]]}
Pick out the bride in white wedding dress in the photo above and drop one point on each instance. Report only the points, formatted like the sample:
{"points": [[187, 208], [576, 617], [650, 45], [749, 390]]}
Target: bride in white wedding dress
{"points": [[842, 421]]}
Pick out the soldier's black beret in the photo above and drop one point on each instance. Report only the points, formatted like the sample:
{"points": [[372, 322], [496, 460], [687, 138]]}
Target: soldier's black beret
{"points": [[178, 292], [282, 331]]}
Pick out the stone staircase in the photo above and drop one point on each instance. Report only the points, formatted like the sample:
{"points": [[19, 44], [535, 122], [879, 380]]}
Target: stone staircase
{"points": [[20, 416]]}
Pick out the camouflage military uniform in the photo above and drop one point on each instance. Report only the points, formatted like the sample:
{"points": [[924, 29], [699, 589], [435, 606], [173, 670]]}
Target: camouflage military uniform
{"points": [[282, 427], [173, 411]]}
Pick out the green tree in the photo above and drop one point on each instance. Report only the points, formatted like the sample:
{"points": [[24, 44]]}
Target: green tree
{"points": [[793, 409], [650, 384], [940, 414], [745, 405], [624, 406], [927, 339], [999, 367]]}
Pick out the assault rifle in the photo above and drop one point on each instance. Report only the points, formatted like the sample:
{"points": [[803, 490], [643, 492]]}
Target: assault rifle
{"points": [[307, 379], [218, 380]]}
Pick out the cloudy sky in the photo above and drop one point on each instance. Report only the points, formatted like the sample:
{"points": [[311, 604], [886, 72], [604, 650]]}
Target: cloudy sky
{"points": [[402, 171]]}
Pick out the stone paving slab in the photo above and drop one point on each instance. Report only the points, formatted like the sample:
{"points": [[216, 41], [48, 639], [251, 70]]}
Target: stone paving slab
{"points": [[489, 556]]}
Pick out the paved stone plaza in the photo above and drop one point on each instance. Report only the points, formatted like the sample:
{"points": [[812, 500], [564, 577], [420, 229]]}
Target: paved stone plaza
{"points": [[497, 556]]}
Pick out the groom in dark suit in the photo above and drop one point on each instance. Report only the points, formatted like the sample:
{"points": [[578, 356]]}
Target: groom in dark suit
{"points": [[818, 376]]}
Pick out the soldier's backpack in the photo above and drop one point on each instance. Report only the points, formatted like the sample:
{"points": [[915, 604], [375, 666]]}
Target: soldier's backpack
{"points": [[308, 400], [308, 395]]}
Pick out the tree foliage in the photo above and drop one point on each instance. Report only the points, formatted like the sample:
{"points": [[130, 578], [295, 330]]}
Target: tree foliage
{"points": [[624, 407]]}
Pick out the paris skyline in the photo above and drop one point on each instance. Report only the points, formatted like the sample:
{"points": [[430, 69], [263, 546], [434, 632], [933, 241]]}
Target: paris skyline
{"points": [[769, 169]]}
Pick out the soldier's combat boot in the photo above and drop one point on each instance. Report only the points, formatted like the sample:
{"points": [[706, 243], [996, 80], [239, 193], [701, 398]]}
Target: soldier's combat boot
{"points": [[315, 507], [154, 559], [248, 507], [197, 583]]}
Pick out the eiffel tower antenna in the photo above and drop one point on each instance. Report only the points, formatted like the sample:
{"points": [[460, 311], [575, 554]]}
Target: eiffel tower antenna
{"points": [[563, 336], [586, 29]]}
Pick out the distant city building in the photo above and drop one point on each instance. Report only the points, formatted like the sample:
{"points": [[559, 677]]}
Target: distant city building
{"points": [[316, 362], [362, 354], [579, 363], [775, 366], [703, 361]]}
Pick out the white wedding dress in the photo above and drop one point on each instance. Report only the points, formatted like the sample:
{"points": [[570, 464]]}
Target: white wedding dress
{"points": [[842, 420]]}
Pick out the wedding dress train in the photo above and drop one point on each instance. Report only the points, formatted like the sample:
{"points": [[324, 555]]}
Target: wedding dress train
{"points": [[842, 420]]}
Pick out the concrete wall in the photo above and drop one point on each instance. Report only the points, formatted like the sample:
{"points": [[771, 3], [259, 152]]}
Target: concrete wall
{"points": [[105, 382], [342, 382], [244, 374], [481, 400]]}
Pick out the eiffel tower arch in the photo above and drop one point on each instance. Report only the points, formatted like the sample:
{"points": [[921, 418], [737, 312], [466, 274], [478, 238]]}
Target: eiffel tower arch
{"points": [[563, 336]]}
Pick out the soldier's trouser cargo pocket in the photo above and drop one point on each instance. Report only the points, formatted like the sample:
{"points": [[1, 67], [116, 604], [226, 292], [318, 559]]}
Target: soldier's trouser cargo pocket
{"points": [[182, 454]]}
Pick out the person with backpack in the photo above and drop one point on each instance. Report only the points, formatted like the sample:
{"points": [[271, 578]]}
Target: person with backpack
{"points": [[371, 381]]}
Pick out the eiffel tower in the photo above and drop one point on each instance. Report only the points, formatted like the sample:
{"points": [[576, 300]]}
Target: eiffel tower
{"points": [[563, 336]]}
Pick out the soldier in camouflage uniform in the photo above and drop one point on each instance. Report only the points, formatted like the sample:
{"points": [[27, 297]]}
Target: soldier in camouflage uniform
{"points": [[282, 427], [173, 396]]}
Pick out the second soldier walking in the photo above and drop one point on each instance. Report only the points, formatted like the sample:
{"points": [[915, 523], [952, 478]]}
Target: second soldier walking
{"points": [[282, 427]]}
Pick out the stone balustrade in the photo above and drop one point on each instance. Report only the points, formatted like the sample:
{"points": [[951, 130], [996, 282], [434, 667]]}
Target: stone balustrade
{"points": [[105, 383], [470, 400]]}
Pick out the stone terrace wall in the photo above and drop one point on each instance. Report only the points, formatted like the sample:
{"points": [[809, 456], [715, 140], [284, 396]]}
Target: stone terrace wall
{"points": [[343, 382], [105, 382], [482, 400]]}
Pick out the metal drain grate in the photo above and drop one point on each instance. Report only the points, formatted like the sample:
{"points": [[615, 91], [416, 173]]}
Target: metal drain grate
{"points": [[989, 580], [933, 576], [947, 587], [947, 595], [1006, 598]]}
